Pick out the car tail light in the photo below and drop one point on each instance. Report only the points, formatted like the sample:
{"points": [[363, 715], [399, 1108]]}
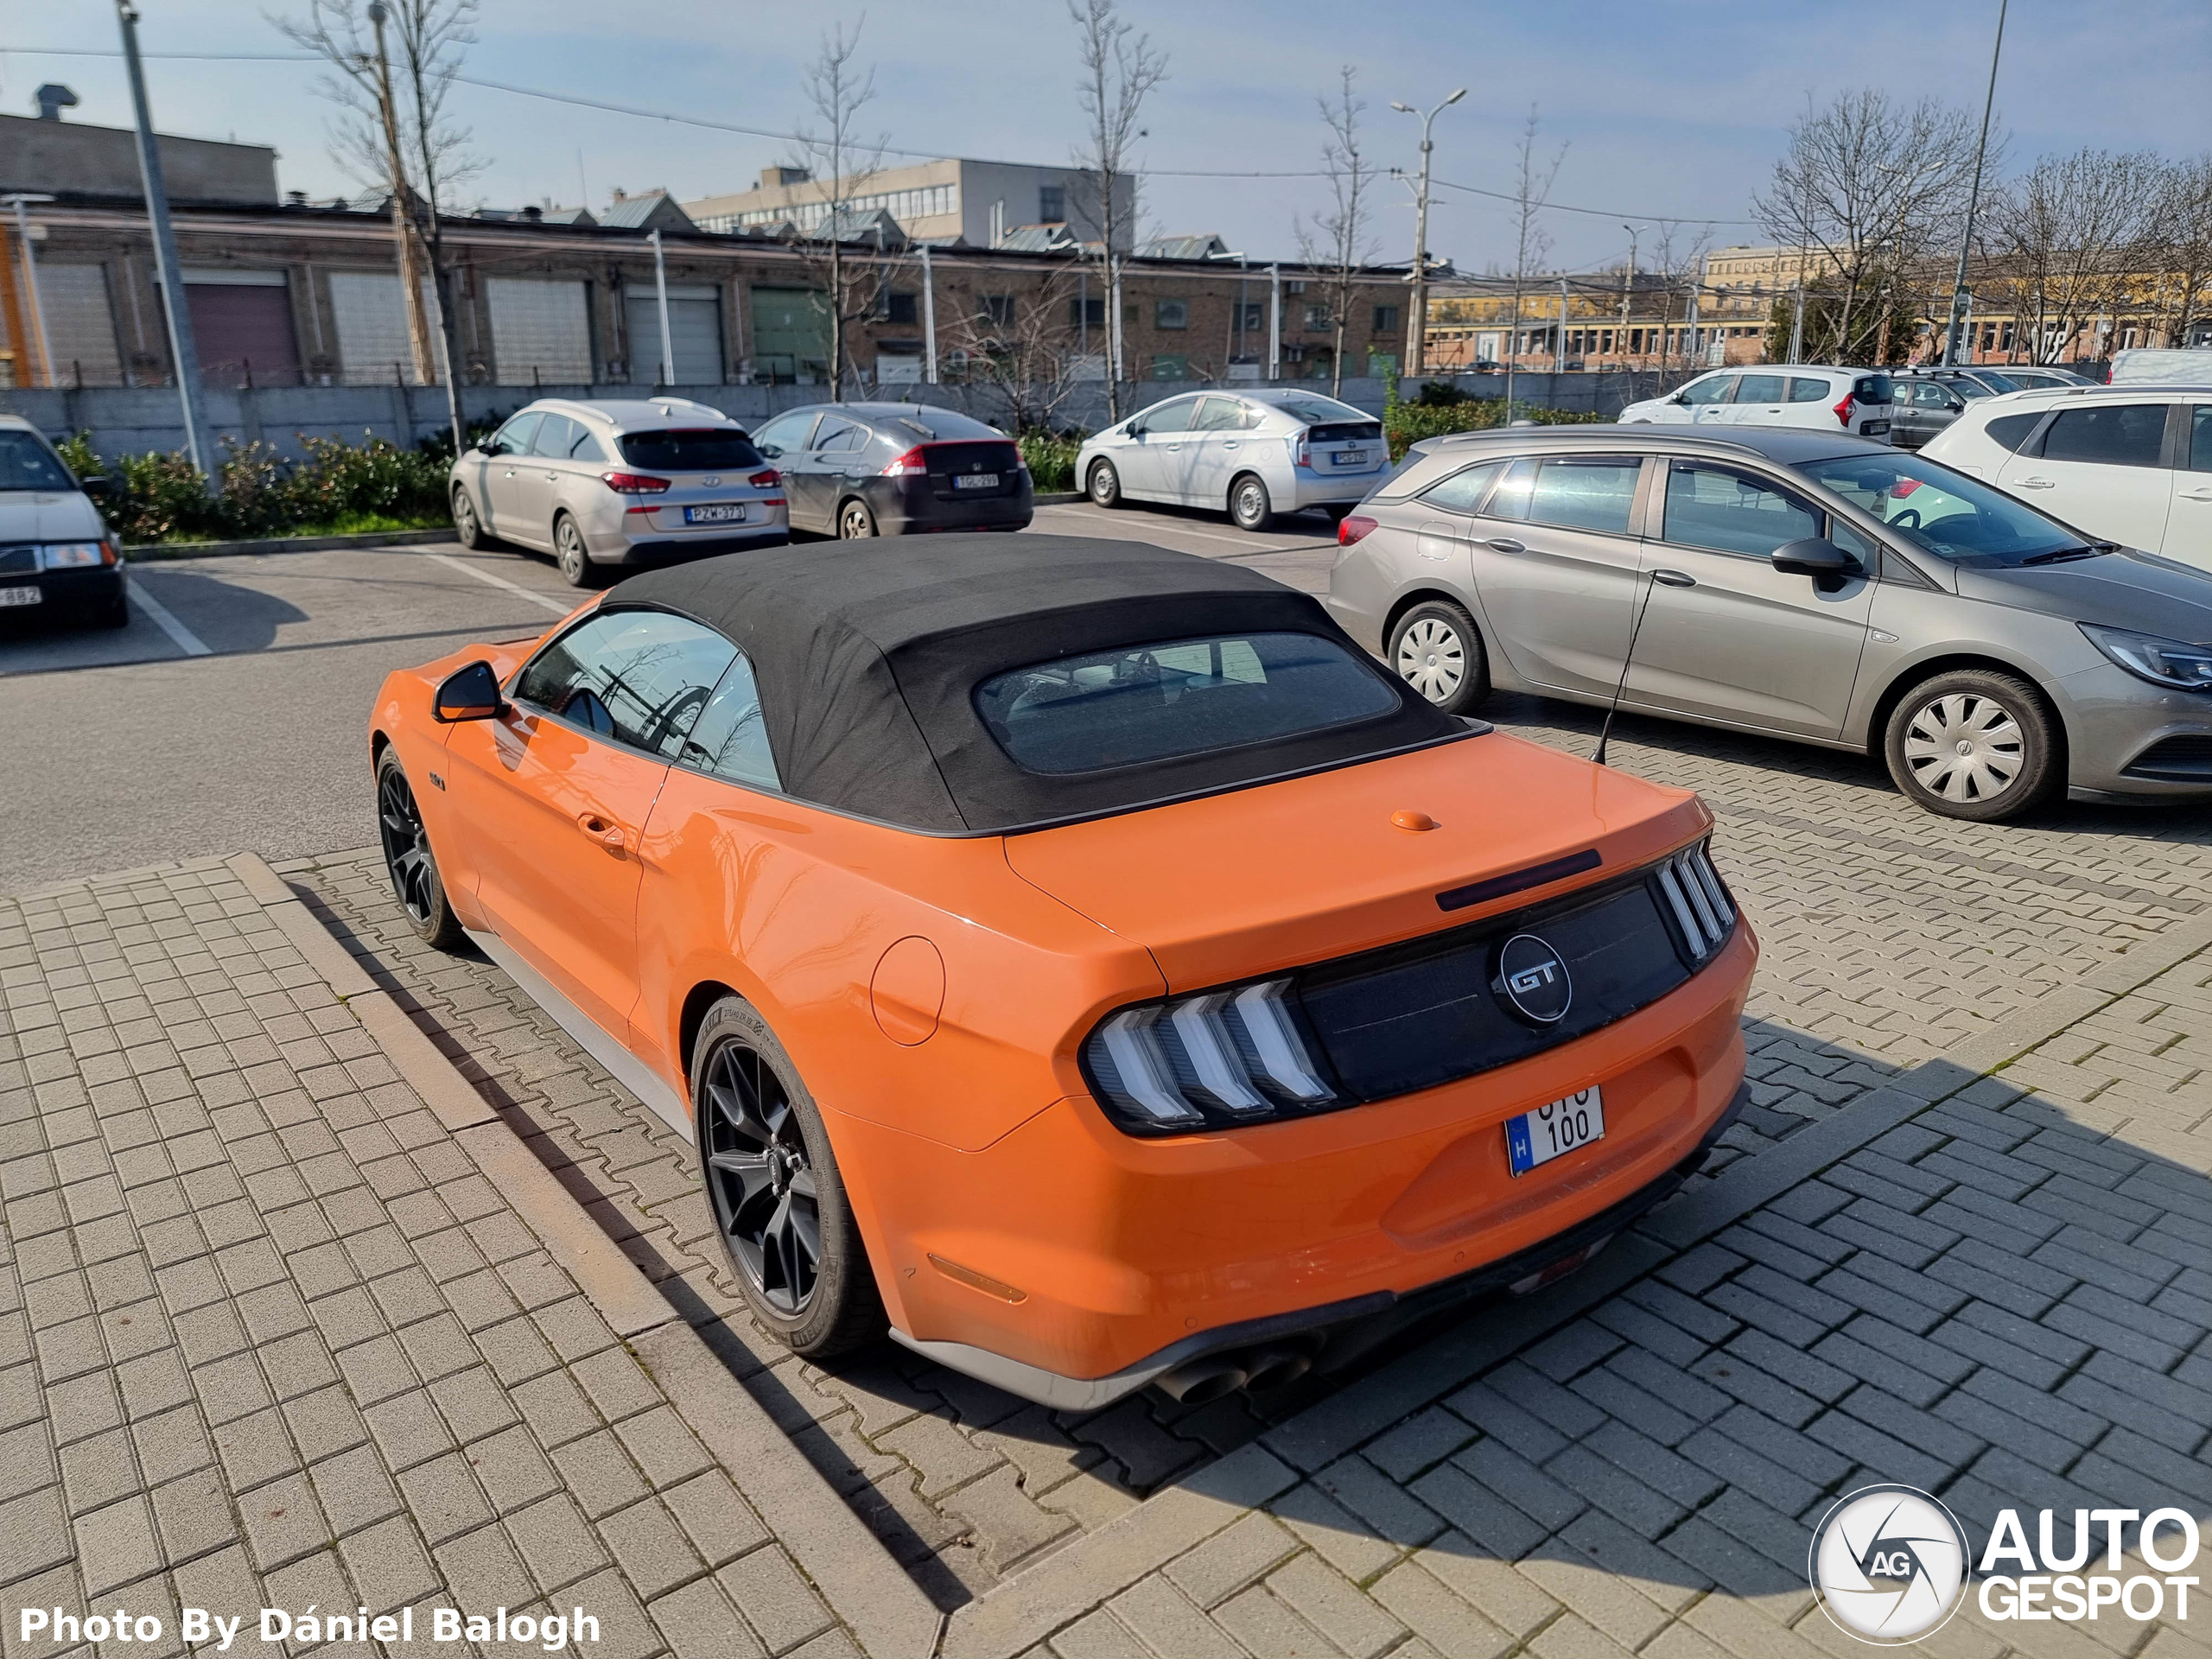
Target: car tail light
{"points": [[1217, 1058], [1351, 529], [1301, 452], [1843, 411], [633, 483], [766, 480], [910, 465], [1902, 487], [1696, 899]]}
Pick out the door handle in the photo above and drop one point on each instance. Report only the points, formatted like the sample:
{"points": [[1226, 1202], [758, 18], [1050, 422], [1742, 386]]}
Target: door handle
{"points": [[1506, 544], [603, 829], [553, 478], [2197, 495], [1228, 443], [2038, 484], [511, 472], [1674, 578]]}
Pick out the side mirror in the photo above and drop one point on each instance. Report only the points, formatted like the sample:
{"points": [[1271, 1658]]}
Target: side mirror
{"points": [[1814, 556], [1680, 397], [770, 450], [471, 693]]}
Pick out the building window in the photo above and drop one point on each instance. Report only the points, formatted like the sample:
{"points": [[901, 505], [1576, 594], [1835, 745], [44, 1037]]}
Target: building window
{"points": [[1171, 365], [897, 306], [1052, 204], [1319, 316], [1386, 319], [998, 310], [1382, 365], [1255, 315], [1171, 314], [1086, 314], [1294, 288]]}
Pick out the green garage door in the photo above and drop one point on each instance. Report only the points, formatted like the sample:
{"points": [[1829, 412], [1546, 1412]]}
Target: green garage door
{"points": [[790, 335]]}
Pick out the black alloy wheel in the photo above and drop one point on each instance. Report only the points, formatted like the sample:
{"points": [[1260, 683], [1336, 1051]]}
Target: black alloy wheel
{"points": [[1104, 485], [774, 1190], [407, 858], [467, 528]]}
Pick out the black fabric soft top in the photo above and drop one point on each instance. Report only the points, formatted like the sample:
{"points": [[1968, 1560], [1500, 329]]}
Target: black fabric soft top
{"points": [[867, 655]]}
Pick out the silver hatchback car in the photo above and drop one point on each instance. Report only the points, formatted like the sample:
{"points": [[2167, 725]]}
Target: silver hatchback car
{"points": [[618, 483], [1805, 585], [1254, 453]]}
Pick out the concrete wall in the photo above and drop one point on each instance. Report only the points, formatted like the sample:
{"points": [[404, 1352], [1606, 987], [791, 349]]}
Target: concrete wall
{"points": [[127, 422], [70, 157]]}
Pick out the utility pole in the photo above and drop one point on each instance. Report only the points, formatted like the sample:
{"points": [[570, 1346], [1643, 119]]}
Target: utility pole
{"points": [[660, 292], [1628, 287], [1559, 345], [19, 202], [1274, 322], [1954, 336], [411, 283], [928, 313], [1417, 318], [182, 349], [1797, 320], [1689, 332]]}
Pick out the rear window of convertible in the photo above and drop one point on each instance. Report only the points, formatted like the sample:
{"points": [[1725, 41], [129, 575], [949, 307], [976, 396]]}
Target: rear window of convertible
{"points": [[689, 449], [1141, 703]]}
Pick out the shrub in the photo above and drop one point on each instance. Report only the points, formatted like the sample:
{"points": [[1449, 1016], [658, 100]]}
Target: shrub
{"points": [[1406, 424], [257, 491], [1051, 457]]}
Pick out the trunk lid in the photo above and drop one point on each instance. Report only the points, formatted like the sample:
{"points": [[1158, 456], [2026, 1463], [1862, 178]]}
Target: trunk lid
{"points": [[949, 460], [1259, 880]]}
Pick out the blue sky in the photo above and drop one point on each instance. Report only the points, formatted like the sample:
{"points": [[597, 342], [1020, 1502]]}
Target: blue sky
{"points": [[1665, 109]]}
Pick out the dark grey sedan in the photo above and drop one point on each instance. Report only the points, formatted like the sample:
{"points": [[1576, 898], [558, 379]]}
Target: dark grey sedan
{"points": [[1813, 587], [895, 469]]}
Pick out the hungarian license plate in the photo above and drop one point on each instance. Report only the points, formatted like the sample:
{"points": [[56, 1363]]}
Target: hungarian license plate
{"points": [[976, 482], [1350, 458], [9, 596], [716, 512], [1535, 1138], [1874, 429]]}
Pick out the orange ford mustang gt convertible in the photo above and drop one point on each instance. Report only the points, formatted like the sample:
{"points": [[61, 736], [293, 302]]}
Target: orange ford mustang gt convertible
{"points": [[1077, 958]]}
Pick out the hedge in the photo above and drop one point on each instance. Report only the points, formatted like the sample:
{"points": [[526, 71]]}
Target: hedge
{"points": [[1406, 424]]}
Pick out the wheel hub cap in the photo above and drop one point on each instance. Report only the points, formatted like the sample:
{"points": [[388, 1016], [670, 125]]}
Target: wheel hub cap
{"points": [[1431, 659], [1964, 747]]}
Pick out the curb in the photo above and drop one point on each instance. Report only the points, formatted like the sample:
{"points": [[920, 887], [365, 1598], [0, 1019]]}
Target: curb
{"points": [[153, 552], [883, 1608], [1057, 499]]}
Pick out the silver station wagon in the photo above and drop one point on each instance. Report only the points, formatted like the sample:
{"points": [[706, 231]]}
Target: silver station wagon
{"points": [[1806, 585]]}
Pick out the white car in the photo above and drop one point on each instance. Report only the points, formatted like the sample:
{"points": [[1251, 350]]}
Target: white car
{"points": [[1254, 453], [1856, 401], [2129, 464], [2145, 367]]}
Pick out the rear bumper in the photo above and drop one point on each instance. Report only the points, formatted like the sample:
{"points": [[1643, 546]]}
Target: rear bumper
{"points": [[1125, 1258], [1310, 488], [910, 506]]}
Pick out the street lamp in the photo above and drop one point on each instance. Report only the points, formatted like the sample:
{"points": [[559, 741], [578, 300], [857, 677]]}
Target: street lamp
{"points": [[1952, 338], [1627, 286], [1417, 324]]}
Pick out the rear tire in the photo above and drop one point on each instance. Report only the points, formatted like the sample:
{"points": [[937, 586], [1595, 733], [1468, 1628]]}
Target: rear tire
{"points": [[1436, 649], [1103, 485], [1339, 510], [1250, 506], [572, 556], [1974, 744], [467, 529], [407, 860], [774, 1191], [855, 523]]}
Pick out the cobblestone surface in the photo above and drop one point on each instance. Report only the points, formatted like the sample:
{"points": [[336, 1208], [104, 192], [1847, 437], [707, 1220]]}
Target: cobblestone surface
{"points": [[1890, 936], [268, 1338]]}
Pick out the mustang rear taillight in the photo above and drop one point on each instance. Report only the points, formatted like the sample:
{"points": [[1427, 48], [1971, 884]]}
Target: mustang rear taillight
{"points": [[1217, 1058], [1843, 409], [633, 483], [910, 465], [768, 480], [1696, 899], [1351, 529]]}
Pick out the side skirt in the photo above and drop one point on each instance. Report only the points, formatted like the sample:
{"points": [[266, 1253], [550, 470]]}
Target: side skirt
{"points": [[602, 1046]]}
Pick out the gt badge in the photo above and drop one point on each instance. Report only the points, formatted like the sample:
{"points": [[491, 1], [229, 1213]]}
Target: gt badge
{"points": [[1532, 977]]}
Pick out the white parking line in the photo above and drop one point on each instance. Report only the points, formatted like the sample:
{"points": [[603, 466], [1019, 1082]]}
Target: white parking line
{"points": [[555, 606], [1245, 542], [183, 638]]}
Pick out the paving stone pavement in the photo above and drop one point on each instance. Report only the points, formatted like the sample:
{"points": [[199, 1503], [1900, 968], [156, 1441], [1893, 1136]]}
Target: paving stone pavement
{"points": [[268, 1336], [1891, 937]]}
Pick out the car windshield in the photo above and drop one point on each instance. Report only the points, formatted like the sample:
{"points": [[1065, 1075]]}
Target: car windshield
{"points": [[1141, 703], [26, 464], [1319, 411], [1947, 513], [689, 450], [1992, 380]]}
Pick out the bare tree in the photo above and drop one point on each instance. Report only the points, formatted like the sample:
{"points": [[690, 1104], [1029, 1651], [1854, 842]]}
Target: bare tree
{"points": [[1017, 339], [1677, 266], [1120, 69], [2070, 235], [1336, 240], [1532, 190], [2185, 236], [1867, 184], [395, 132], [832, 149]]}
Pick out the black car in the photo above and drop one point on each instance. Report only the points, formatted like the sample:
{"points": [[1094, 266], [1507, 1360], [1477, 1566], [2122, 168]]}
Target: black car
{"points": [[57, 556], [1925, 401], [895, 469]]}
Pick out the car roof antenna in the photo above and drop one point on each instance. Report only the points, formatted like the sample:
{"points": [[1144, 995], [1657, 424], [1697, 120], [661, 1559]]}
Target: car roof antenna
{"points": [[1605, 731]]}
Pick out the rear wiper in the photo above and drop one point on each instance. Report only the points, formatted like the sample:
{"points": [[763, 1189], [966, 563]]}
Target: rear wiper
{"points": [[2061, 555]]}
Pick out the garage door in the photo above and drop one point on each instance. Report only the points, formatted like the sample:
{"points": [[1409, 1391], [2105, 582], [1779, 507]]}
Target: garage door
{"points": [[372, 344], [695, 330], [541, 332], [790, 335], [80, 325], [242, 328]]}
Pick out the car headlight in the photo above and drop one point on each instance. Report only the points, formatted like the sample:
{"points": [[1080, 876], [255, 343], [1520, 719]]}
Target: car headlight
{"points": [[2162, 662], [1198, 1061]]}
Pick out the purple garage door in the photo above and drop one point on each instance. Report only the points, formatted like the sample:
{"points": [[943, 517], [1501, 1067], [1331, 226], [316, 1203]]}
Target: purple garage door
{"points": [[244, 335]]}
